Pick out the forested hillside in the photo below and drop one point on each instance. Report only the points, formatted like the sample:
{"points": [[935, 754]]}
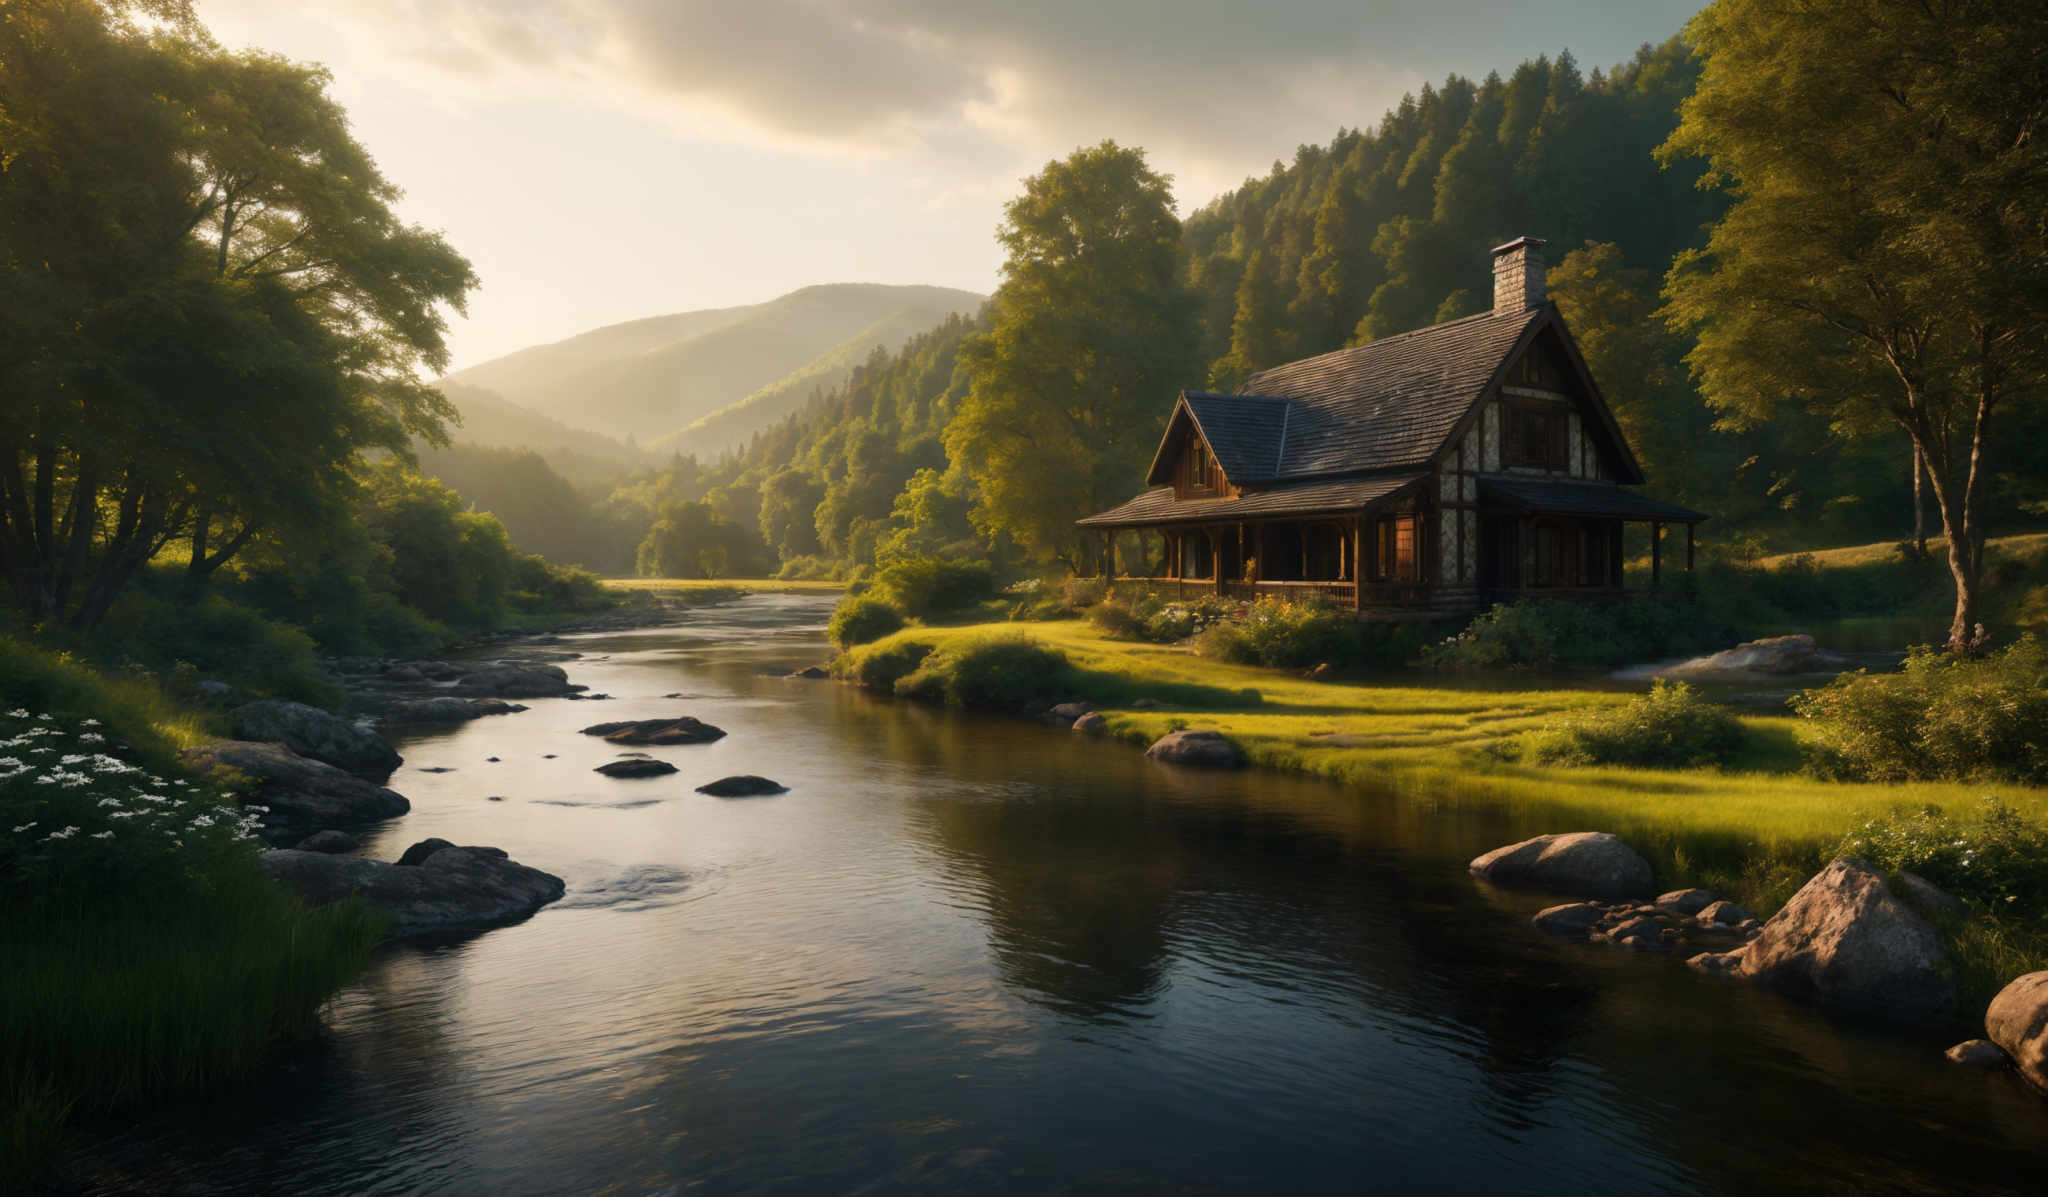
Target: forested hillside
{"points": [[650, 379]]}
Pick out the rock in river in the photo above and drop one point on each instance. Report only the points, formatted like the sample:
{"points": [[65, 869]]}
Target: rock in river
{"points": [[1094, 723], [636, 766], [435, 886], [329, 841], [809, 673], [1590, 864], [1845, 941], [680, 730], [310, 731], [1206, 749], [1571, 920], [2018, 1022], [1723, 915], [745, 785], [508, 679], [1686, 902], [1978, 1053], [301, 790], [1777, 654], [447, 709]]}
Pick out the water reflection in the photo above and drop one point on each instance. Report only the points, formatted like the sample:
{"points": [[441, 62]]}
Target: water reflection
{"points": [[963, 954]]}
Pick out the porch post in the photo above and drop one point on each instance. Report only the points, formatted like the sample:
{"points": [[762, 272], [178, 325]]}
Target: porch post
{"points": [[1688, 547], [1357, 563], [1656, 552], [1216, 555]]}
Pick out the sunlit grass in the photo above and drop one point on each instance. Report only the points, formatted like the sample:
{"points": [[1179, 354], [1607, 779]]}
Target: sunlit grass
{"points": [[135, 709], [2022, 547]]}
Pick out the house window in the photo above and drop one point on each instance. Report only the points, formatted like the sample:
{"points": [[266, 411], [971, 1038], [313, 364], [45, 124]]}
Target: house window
{"points": [[1592, 569], [1201, 471], [1537, 435], [1394, 555]]}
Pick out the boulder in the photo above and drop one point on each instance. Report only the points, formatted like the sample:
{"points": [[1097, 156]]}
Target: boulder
{"points": [[517, 680], [1571, 920], [1845, 941], [1978, 1053], [1641, 933], [1686, 902], [329, 841], [1203, 749], [636, 766], [810, 673], [1928, 898], [744, 785], [1716, 964], [681, 730], [1773, 655], [1723, 916], [1583, 863], [312, 732], [1067, 712], [2018, 1022], [215, 693], [443, 888], [1092, 723], [297, 788], [446, 709]]}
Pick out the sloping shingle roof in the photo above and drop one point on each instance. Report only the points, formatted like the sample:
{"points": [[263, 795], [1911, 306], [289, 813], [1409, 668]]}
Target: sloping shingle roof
{"points": [[1583, 498], [1244, 431], [1392, 402], [1158, 506]]}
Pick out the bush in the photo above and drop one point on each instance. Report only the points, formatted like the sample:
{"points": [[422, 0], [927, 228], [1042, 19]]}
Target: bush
{"points": [[990, 673], [1287, 635], [878, 667], [1560, 634], [1083, 593], [170, 630], [1941, 716], [1671, 726], [1998, 859], [860, 619], [922, 586], [1159, 620]]}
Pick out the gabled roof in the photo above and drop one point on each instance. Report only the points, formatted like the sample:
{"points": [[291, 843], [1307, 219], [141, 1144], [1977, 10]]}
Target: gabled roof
{"points": [[1395, 401], [1245, 432], [1348, 495]]}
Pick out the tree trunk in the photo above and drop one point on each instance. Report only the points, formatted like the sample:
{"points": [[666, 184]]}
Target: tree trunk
{"points": [[1919, 504], [1957, 505]]}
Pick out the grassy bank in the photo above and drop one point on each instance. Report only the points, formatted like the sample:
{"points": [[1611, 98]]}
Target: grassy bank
{"points": [[146, 953], [1755, 828]]}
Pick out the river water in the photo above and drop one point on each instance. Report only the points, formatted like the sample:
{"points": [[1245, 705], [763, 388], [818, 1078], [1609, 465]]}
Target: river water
{"points": [[974, 955]]}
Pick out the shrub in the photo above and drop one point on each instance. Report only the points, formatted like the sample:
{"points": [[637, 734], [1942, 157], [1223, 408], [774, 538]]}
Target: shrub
{"points": [[860, 619], [1999, 858], [1555, 633], [1669, 726], [921, 586], [1287, 635], [990, 673], [212, 637], [879, 666], [1082, 593], [1161, 621], [1941, 716]]}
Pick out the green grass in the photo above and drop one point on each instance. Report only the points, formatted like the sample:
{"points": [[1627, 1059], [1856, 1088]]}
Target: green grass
{"points": [[2014, 548], [134, 708], [1755, 828]]}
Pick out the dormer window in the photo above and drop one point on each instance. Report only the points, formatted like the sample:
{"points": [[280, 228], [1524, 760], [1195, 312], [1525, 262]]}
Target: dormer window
{"points": [[1201, 470]]}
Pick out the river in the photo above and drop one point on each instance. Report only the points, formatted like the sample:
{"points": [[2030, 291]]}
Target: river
{"points": [[976, 955]]}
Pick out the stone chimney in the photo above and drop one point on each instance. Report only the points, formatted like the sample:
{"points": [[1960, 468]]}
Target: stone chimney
{"points": [[1518, 276]]}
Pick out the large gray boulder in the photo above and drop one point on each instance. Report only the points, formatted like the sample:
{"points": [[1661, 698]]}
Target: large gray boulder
{"points": [[446, 709], [2018, 1022], [743, 785], [310, 731], [1845, 941], [298, 789], [683, 729], [1202, 749], [446, 888], [635, 767], [510, 679], [1587, 864]]}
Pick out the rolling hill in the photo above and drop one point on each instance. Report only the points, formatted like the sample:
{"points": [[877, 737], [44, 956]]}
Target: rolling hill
{"points": [[734, 369]]}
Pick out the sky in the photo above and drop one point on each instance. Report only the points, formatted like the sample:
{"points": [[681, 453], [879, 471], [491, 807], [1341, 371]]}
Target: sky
{"points": [[604, 160]]}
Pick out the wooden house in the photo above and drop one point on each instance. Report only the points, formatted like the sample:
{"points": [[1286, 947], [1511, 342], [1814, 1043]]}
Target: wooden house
{"points": [[1424, 474]]}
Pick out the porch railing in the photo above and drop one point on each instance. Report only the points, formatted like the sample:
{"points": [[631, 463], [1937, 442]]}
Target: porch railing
{"points": [[1339, 592]]}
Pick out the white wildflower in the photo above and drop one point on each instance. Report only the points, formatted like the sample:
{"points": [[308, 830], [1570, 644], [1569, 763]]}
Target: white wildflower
{"points": [[124, 814], [23, 827], [104, 835], [91, 738], [110, 801], [203, 821], [65, 834], [88, 723], [17, 713]]}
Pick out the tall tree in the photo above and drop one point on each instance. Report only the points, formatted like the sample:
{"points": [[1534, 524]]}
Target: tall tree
{"points": [[1886, 256], [220, 308], [1092, 329]]}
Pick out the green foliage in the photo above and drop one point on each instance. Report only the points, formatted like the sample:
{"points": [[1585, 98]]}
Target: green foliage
{"points": [[1879, 266], [879, 667], [1083, 593], [1997, 859], [168, 630], [1291, 635], [1092, 328], [692, 539], [1559, 634], [860, 619], [924, 586], [542, 513], [1671, 727], [1941, 716], [990, 673], [135, 710], [1159, 620]]}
